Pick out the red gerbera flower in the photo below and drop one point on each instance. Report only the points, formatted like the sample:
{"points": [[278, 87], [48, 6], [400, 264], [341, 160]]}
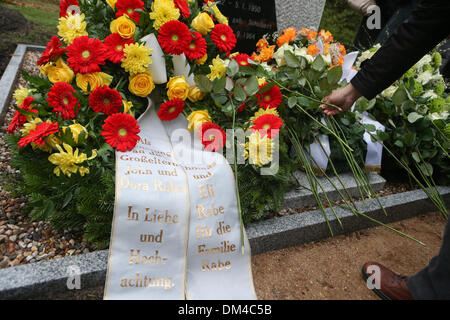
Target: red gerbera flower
{"points": [[68, 6], [171, 109], [183, 6], [242, 59], [269, 124], [106, 100], [127, 7], [37, 135], [174, 37], [61, 98], [271, 98], [114, 45], [197, 48], [212, 136], [121, 131], [19, 119], [52, 51], [86, 55], [223, 37]]}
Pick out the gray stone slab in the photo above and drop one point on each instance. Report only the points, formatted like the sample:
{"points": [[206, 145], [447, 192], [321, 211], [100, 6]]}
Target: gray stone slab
{"points": [[299, 13], [311, 226], [301, 196], [9, 77], [47, 278]]}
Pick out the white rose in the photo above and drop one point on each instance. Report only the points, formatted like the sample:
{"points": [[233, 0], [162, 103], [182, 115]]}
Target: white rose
{"points": [[438, 116], [327, 59], [279, 55], [302, 52]]}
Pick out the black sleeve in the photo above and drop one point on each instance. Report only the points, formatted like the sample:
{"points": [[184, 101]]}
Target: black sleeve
{"points": [[428, 24]]}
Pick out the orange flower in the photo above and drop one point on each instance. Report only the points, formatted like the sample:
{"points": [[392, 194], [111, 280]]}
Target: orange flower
{"points": [[289, 35], [262, 43], [337, 60], [311, 35], [342, 50], [326, 36], [326, 48], [312, 50], [265, 55]]}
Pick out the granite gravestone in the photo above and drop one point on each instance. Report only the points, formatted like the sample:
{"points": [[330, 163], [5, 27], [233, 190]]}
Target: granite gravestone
{"points": [[250, 20]]}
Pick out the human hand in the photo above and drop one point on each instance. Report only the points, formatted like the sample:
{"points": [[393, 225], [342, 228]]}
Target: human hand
{"points": [[343, 98]]}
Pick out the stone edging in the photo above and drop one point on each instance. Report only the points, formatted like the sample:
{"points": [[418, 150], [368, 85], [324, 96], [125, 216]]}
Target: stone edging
{"points": [[47, 278], [9, 77]]}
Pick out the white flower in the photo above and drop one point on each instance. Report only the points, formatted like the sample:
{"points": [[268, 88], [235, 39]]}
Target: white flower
{"points": [[327, 59], [389, 92], [367, 55], [279, 55], [302, 52], [267, 67], [429, 94], [438, 116], [425, 60], [425, 77]]}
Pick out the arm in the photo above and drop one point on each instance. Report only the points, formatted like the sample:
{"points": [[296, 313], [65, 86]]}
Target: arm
{"points": [[427, 26]]}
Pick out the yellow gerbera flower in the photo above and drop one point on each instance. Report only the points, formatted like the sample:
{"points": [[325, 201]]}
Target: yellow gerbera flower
{"points": [[163, 11], [67, 161], [137, 58], [72, 27]]}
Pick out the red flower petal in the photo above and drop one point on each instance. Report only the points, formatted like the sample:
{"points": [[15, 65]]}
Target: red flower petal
{"points": [[121, 131], [171, 109], [174, 37], [61, 98], [223, 37], [212, 136], [105, 100], [86, 55]]}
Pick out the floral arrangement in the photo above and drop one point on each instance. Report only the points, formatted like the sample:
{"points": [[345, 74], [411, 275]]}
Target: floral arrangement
{"points": [[415, 111], [110, 56]]}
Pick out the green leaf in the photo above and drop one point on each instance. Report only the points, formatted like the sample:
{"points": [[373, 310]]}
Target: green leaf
{"points": [[219, 84], [203, 83], [398, 143], [426, 168], [414, 116], [399, 96], [251, 86], [370, 127], [67, 199], [233, 68], [334, 75], [318, 64], [239, 94], [291, 60], [292, 101], [415, 156], [304, 102]]}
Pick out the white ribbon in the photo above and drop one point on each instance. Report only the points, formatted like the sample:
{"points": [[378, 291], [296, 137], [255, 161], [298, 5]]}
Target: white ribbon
{"points": [[158, 66], [186, 213]]}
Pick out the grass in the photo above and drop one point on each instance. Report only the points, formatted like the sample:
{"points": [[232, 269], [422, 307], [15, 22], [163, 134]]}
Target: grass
{"points": [[341, 21]]}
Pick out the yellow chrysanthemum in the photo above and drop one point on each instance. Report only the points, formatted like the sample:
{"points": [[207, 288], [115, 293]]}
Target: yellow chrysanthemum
{"points": [[127, 106], [217, 14], [218, 69], [72, 27], [261, 112], [259, 149], [202, 60], [21, 94], [163, 11], [76, 130], [67, 161], [137, 58]]}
